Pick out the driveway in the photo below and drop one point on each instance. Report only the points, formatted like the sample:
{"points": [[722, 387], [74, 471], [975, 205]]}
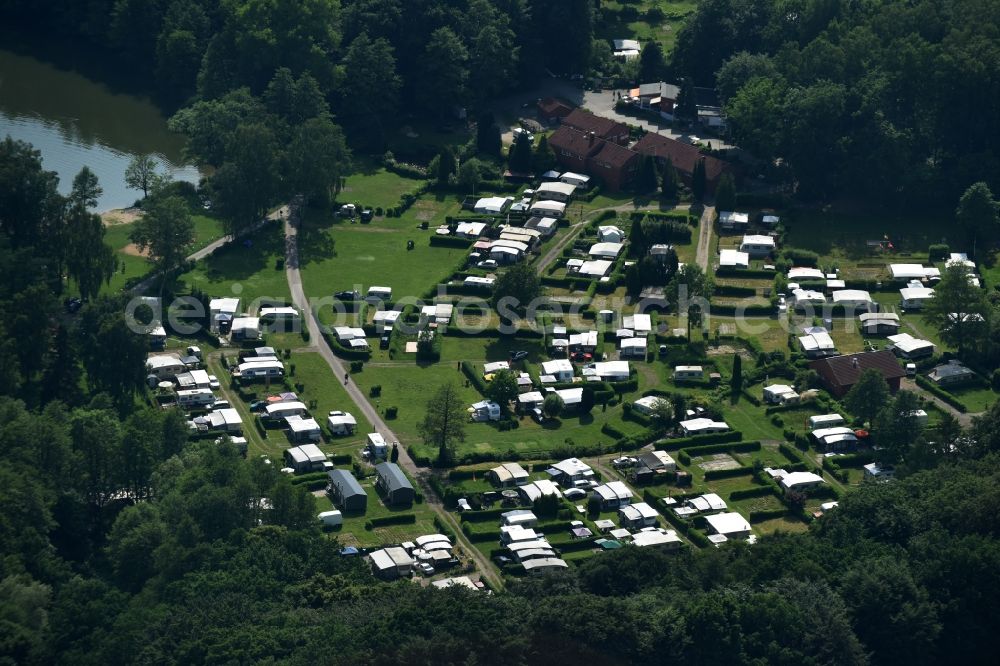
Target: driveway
{"points": [[602, 103]]}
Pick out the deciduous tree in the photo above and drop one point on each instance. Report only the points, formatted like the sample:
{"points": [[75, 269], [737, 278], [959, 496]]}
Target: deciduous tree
{"points": [[444, 422], [868, 397]]}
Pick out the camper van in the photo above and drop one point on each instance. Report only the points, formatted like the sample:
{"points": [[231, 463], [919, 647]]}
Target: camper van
{"points": [[688, 373], [165, 366], [825, 421], [280, 410], [255, 371], [199, 398], [377, 446], [379, 294]]}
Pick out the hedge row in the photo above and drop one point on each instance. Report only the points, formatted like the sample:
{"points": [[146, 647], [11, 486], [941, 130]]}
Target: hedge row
{"points": [[727, 473], [396, 519], [940, 393], [698, 538], [450, 241], [698, 440], [443, 528], [482, 516], [769, 514], [722, 310], [307, 478], [734, 290], [789, 452], [344, 352], [748, 273], [474, 377], [748, 493], [853, 460], [724, 447]]}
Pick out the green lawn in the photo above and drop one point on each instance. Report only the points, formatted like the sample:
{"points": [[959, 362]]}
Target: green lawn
{"points": [[618, 26], [409, 386], [976, 399], [322, 393], [338, 255], [206, 229], [353, 532], [250, 272], [843, 236], [377, 188]]}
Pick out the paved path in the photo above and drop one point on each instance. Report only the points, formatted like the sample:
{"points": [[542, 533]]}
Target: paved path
{"points": [[705, 237], [319, 344], [197, 255]]}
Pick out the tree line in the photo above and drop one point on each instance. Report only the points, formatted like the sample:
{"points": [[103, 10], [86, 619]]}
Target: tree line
{"points": [[889, 100]]}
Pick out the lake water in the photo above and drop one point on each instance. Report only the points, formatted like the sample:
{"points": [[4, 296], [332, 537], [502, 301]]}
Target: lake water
{"points": [[77, 122]]}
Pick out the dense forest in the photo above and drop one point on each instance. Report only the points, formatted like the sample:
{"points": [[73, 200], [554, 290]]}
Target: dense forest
{"points": [[887, 101], [890, 101]]}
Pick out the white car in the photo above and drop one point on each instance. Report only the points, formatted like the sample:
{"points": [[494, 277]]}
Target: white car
{"points": [[213, 382], [463, 505], [425, 568], [575, 493], [489, 263]]}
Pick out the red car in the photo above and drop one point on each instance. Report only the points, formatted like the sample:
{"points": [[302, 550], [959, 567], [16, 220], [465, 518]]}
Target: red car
{"points": [[582, 357]]}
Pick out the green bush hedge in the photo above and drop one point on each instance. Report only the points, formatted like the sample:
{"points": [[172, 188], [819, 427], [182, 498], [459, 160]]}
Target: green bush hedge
{"points": [[724, 447], [483, 516], [698, 440], [939, 392], [698, 538], [395, 519], [769, 514], [727, 473], [748, 493], [341, 459]]}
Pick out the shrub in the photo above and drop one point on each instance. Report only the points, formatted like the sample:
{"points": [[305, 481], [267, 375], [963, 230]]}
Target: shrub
{"points": [[391, 412], [938, 252]]}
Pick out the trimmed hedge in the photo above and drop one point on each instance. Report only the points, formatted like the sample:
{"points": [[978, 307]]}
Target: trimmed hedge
{"points": [[340, 459], [727, 473], [698, 538], [748, 493], [697, 440], [789, 452], [769, 514], [940, 393], [450, 241], [724, 447], [482, 516], [396, 519]]}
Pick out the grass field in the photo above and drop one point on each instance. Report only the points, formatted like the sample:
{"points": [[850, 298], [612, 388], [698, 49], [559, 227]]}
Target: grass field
{"points": [[206, 230], [353, 532], [336, 255], [322, 392], [248, 272], [843, 236], [975, 399], [640, 27], [376, 187]]}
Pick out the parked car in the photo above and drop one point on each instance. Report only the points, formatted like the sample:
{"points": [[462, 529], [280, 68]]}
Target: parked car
{"points": [[463, 505], [213, 382], [73, 305], [574, 493], [625, 461], [502, 560], [425, 568], [518, 355], [582, 357], [537, 414], [489, 263], [352, 295], [258, 405], [367, 215], [911, 369]]}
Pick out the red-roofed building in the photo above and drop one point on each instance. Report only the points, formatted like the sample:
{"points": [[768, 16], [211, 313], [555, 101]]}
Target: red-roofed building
{"points": [[612, 164], [840, 373], [684, 156], [551, 109], [603, 128]]}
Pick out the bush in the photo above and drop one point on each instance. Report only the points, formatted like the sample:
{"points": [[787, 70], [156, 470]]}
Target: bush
{"points": [[395, 519], [748, 493], [727, 473], [770, 514], [683, 458], [391, 412], [938, 252], [937, 391], [698, 538], [375, 391]]}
